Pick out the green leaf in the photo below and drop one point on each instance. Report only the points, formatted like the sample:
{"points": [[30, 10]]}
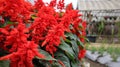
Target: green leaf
{"points": [[75, 47], [67, 41], [86, 39], [9, 22], [33, 16], [79, 43], [47, 55], [4, 63], [55, 64], [61, 56], [76, 64], [1, 25], [68, 50], [70, 35]]}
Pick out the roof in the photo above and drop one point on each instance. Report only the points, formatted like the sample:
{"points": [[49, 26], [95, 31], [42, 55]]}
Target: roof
{"points": [[98, 4]]}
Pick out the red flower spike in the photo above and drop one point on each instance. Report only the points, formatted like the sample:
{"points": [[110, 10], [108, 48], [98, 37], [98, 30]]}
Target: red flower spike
{"points": [[84, 25], [69, 7], [4, 31], [60, 4], [82, 40], [16, 10], [81, 53], [46, 29], [52, 3], [38, 4], [25, 53], [16, 37]]}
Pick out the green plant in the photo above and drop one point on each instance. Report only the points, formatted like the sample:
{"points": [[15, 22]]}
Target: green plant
{"points": [[39, 35], [114, 51], [100, 26]]}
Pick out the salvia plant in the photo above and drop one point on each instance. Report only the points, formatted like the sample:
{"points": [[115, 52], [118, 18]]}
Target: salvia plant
{"points": [[40, 35]]}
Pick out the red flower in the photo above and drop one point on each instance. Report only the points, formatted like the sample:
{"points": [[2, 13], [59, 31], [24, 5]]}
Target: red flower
{"points": [[52, 40], [2, 3], [2, 21], [3, 34], [38, 4], [24, 55], [81, 53], [16, 10], [45, 30], [52, 3], [60, 4], [16, 37], [84, 25], [50, 26], [43, 24]]}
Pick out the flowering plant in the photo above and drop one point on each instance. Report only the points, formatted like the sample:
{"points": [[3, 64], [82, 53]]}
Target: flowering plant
{"points": [[40, 36]]}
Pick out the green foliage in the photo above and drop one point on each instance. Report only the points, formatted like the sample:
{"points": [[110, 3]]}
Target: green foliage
{"points": [[71, 36], [101, 26], [67, 53], [48, 57], [4, 63], [61, 56], [67, 49], [6, 23], [112, 50], [75, 47]]}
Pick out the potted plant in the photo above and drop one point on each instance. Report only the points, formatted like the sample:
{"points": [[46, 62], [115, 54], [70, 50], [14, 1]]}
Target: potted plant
{"points": [[53, 38], [91, 32], [92, 38]]}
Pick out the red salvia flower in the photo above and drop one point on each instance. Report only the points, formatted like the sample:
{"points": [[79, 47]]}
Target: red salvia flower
{"points": [[2, 21], [3, 34], [38, 4], [52, 3], [84, 25], [60, 4], [16, 10], [45, 31], [53, 38], [81, 53], [49, 27], [69, 7], [16, 37], [24, 55], [83, 32], [2, 5]]}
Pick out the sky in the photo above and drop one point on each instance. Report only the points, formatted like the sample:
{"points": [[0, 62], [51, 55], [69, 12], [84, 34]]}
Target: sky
{"points": [[74, 2]]}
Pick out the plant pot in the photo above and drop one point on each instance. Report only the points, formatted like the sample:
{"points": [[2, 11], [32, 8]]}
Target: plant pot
{"points": [[92, 38]]}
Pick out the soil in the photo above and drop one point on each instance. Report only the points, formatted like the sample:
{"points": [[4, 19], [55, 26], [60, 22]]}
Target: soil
{"points": [[94, 64]]}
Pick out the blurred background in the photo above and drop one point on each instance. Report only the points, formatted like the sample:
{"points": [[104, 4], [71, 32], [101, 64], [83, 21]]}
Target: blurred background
{"points": [[103, 32]]}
